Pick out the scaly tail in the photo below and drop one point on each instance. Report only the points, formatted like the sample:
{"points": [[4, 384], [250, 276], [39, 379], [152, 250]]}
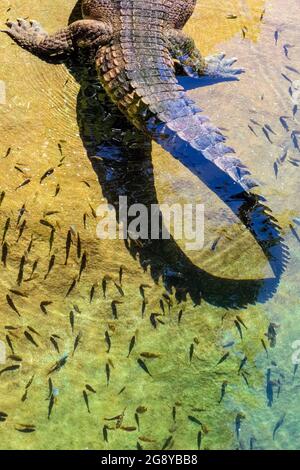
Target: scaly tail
{"points": [[137, 72]]}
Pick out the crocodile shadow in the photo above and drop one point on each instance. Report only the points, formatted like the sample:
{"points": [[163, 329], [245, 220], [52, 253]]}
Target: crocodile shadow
{"points": [[121, 157]]}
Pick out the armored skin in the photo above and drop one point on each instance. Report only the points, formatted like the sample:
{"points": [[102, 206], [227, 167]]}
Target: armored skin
{"points": [[136, 46]]}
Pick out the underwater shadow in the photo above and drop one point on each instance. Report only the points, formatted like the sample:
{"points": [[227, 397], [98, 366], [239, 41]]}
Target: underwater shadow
{"points": [[121, 158]]}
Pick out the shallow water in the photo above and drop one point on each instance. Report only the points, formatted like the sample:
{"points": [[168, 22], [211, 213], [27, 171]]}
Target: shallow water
{"points": [[48, 114]]}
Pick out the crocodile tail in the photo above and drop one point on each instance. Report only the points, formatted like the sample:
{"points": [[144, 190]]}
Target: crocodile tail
{"points": [[138, 73]]}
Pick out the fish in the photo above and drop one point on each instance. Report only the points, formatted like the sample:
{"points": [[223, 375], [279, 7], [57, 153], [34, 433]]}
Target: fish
{"points": [[295, 110], [8, 151], [57, 190], [269, 128], [191, 354], [85, 216], [143, 366], [92, 293], [21, 270], [241, 321], [105, 433], [269, 389], [107, 371], [238, 422], [47, 174], [51, 404], [294, 138], [47, 224], [252, 442], [90, 388], [43, 306], [29, 337], [28, 385], [283, 122], [294, 232], [180, 316], [77, 342], [6, 228], [128, 428], [71, 288], [195, 420], [83, 265], [266, 132], [199, 440], [2, 196], [4, 254], [21, 230], [108, 342], [272, 334], [148, 355], [276, 169], [223, 390], [59, 364], [137, 420], [121, 272], [104, 285], [79, 246], [292, 69], [15, 358], [238, 328], [278, 425], [51, 239], [276, 36], [286, 78], [131, 345], [55, 344], [50, 267], [167, 443], [10, 344], [12, 305], [174, 411], [242, 364], [33, 330], [152, 318], [144, 305], [26, 430], [86, 400], [265, 347], [10, 369], [252, 130], [138, 446], [286, 49], [120, 290], [68, 246], [114, 308], [223, 358], [72, 320], [27, 181]]}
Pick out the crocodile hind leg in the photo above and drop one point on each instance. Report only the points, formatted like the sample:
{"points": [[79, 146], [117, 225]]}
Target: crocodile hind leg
{"points": [[188, 58], [86, 34]]}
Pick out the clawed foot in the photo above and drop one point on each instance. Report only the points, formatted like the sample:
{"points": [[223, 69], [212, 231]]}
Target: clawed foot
{"points": [[217, 66], [25, 32]]}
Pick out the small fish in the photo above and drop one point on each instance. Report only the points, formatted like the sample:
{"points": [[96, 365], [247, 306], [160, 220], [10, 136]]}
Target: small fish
{"points": [[105, 433], [83, 265], [265, 347], [286, 49], [286, 78], [131, 345], [57, 190], [8, 152], [85, 216], [86, 400], [269, 389], [6, 228], [43, 306], [10, 369], [120, 290], [108, 342], [114, 308], [238, 326], [143, 366], [2, 196], [195, 420], [292, 69], [266, 132], [4, 254], [68, 246], [90, 388], [295, 110], [215, 244], [15, 358], [10, 344], [93, 212], [238, 422], [276, 169], [47, 224], [51, 239], [278, 425], [51, 404], [191, 353], [21, 271], [92, 293], [199, 440], [77, 342], [242, 364], [27, 181], [12, 305], [276, 36], [47, 174], [71, 288], [55, 344], [148, 355], [29, 337], [59, 364], [167, 443], [78, 246], [153, 317], [137, 420], [223, 358], [50, 267], [72, 320], [104, 285], [283, 122], [107, 371], [252, 130], [21, 230], [26, 430], [241, 321], [252, 443], [269, 128], [180, 316], [223, 390]]}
